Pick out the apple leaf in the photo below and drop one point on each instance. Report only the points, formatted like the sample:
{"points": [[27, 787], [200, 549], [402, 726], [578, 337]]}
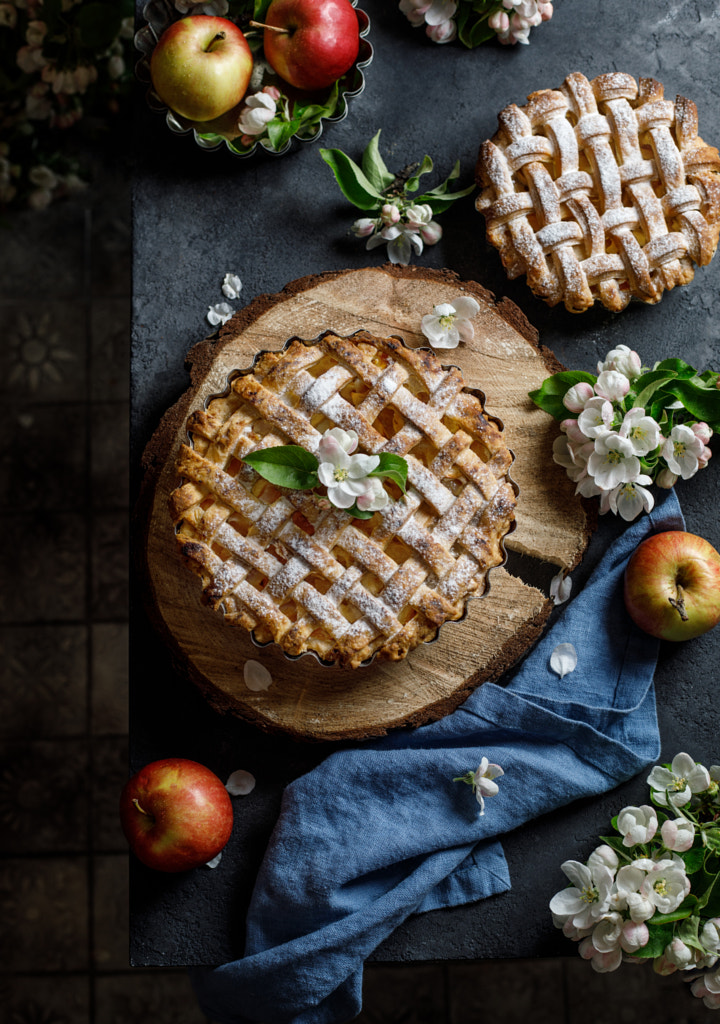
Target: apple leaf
{"points": [[354, 184], [374, 167], [473, 33], [286, 465], [358, 513], [550, 394], [413, 183], [392, 467]]}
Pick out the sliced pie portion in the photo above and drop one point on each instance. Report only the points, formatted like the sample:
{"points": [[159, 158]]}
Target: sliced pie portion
{"points": [[600, 190], [312, 578]]}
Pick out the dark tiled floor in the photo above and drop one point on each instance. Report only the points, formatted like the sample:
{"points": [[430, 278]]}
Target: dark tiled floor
{"points": [[64, 326]]}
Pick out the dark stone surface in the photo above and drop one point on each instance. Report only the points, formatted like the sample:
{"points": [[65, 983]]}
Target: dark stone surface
{"points": [[198, 215]]}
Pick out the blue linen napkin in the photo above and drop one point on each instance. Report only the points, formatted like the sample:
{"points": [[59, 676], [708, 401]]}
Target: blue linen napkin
{"points": [[380, 831]]}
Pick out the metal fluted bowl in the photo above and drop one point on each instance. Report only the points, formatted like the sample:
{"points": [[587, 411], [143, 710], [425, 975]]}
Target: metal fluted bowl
{"points": [[159, 14]]}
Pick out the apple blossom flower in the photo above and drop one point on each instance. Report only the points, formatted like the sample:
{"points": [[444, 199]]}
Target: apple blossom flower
{"points": [[604, 856], [641, 429], [704, 458], [678, 834], [612, 385], [499, 22], [637, 824], [613, 462], [401, 240], [43, 177], [628, 500], [35, 33], [258, 110], [450, 322], [30, 59], [346, 475], [678, 953], [682, 451], [606, 933], [710, 935], [675, 786], [39, 198], [587, 900], [482, 781], [707, 988], [569, 457], [8, 15], [231, 286], [443, 32], [576, 398], [622, 359], [666, 885], [600, 962], [389, 214], [596, 418], [571, 427], [701, 430]]}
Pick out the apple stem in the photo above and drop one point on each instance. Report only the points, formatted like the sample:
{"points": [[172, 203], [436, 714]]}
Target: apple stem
{"points": [[216, 39], [270, 28], [679, 603], [137, 804]]}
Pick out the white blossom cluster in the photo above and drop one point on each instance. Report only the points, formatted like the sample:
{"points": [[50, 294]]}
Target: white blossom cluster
{"points": [[403, 226], [610, 906], [609, 451], [511, 21]]}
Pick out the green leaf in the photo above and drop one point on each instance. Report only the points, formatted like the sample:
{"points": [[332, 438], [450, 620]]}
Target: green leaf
{"points": [[260, 9], [660, 936], [353, 183], [693, 859], [413, 183], [550, 394], [374, 167], [648, 384], [358, 513], [686, 908], [392, 467], [474, 30], [279, 131], [676, 366], [286, 465], [701, 402]]}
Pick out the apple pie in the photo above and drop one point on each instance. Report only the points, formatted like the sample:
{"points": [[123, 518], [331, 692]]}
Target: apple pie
{"points": [[313, 578], [600, 190]]}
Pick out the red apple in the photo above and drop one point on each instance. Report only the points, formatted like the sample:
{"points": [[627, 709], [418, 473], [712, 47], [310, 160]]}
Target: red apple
{"points": [[672, 585], [176, 814], [317, 44], [201, 67]]}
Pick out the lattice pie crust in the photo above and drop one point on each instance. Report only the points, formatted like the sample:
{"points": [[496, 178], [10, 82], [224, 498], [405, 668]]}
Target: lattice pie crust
{"points": [[314, 579], [600, 190]]}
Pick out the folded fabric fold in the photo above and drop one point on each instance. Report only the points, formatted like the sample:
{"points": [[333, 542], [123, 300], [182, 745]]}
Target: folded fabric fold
{"points": [[380, 831]]}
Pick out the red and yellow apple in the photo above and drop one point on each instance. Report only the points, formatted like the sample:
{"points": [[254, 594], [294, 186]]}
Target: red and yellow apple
{"points": [[672, 585], [201, 66], [176, 814], [311, 43]]}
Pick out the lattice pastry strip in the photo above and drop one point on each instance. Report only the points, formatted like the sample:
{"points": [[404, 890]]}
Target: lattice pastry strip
{"points": [[601, 190], [315, 579]]}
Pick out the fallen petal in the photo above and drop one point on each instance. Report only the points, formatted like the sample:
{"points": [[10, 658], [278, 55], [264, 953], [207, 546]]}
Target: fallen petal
{"points": [[240, 783], [563, 659], [215, 861], [560, 588], [256, 676]]}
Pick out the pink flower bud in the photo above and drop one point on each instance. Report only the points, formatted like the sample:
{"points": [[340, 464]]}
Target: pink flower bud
{"points": [[546, 11], [431, 233], [390, 214], [678, 834], [499, 21], [273, 92], [612, 385], [666, 479], [363, 227], [634, 936], [576, 398], [704, 458], [702, 430]]}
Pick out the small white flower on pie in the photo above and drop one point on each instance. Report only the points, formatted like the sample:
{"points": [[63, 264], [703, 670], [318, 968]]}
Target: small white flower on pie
{"points": [[346, 475], [682, 451], [450, 322], [613, 462], [676, 785], [231, 286]]}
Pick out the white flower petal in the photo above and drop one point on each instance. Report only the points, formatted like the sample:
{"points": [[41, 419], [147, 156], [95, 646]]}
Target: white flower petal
{"points": [[256, 676], [220, 313], [231, 286], [215, 861], [560, 588], [240, 783], [563, 659]]}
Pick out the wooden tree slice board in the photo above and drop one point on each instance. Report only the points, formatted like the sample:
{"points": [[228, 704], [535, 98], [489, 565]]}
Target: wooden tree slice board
{"points": [[305, 699]]}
